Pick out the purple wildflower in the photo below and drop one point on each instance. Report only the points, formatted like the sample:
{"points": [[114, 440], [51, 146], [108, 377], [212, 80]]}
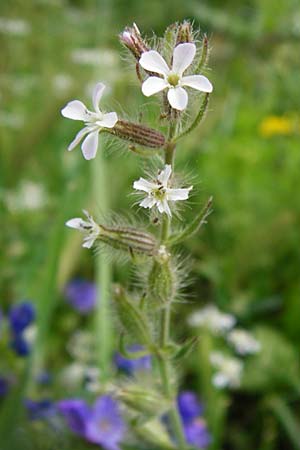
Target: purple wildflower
{"points": [[40, 410], [20, 316], [20, 345], [106, 426], [81, 294], [195, 429], [4, 386], [196, 433], [77, 413], [100, 424], [189, 406], [133, 365]]}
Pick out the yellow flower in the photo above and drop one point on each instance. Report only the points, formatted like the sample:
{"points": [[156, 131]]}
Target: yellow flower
{"points": [[276, 126]]}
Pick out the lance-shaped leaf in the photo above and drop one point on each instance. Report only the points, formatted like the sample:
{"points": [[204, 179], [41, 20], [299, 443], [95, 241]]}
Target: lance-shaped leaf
{"points": [[197, 119], [194, 226]]}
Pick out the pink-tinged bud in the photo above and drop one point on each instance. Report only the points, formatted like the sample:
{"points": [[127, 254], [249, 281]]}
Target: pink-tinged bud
{"points": [[138, 134], [184, 33], [132, 39]]}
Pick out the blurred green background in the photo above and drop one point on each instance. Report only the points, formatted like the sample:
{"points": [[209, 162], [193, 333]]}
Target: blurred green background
{"points": [[246, 155]]}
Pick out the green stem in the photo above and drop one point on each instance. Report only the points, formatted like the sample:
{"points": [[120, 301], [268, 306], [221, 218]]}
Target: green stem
{"points": [[103, 330], [162, 357]]}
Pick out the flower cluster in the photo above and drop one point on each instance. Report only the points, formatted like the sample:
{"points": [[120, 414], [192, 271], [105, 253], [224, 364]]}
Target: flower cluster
{"points": [[228, 369]]}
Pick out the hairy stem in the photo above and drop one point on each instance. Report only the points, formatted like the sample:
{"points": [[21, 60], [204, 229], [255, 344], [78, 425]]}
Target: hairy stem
{"points": [[162, 357]]}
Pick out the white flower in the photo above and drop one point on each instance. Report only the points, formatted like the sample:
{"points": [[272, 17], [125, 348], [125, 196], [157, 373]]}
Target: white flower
{"points": [[158, 192], [212, 318], [88, 227], [94, 122], [229, 370], [173, 79], [243, 342]]}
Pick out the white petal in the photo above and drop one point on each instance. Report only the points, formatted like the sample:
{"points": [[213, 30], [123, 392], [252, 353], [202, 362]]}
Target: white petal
{"points": [[109, 120], [144, 185], [220, 380], [178, 98], [147, 202], [75, 110], [178, 194], [88, 242], [79, 136], [183, 56], [198, 82], [97, 94], [165, 174], [153, 85], [76, 223], [164, 207], [90, 145], [154, 62]]}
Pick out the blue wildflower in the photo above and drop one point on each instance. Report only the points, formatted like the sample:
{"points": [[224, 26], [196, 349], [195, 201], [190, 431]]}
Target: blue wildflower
{"points": [[4, 386], [133, 365], [20, 345], [100, 424], [106, 426], [44, 378], [21, 316], [195, 429], [77, 413], [40, 410], [189, 406], [81, 294], [196, 433]]}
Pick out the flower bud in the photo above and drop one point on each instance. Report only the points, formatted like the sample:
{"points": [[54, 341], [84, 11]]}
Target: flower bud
{"points": [[184, 33], [128, 239], [155, 433], [162, 280], [138, 134], [133, 320], [145, 401], [132, 39]]}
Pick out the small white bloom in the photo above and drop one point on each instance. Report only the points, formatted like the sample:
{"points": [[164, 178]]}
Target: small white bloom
{"points": [[159, 193], [89, 228], [213, 319], [229, 370], [94, 122], [243, 342], [17, 27], [29, 196], [173, 79]]}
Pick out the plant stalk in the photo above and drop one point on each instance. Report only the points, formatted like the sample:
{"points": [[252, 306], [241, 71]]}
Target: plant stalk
{"points": [[162, 357]]}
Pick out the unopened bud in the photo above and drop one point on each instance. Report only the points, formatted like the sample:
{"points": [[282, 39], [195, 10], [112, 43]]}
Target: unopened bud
{"points": [[128, 239], [132, 319], [155, 433], [138, 134], [184, 33], [132, 39], [162, 281], [145, 401]]}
